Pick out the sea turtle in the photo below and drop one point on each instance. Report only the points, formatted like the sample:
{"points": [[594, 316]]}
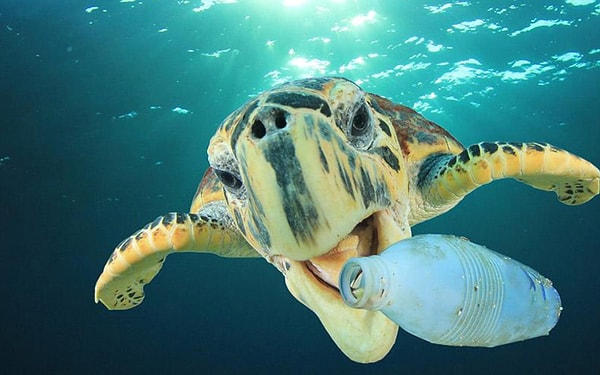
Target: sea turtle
{"points": [[316, 171]]}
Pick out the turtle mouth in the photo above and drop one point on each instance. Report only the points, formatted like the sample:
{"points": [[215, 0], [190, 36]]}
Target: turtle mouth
{"points": [[362, 241], [371, 236], [362, 334]]}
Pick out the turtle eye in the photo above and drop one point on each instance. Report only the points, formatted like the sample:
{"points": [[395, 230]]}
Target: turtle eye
{"points": [[230, 180], [360, 122], [360, 130]]}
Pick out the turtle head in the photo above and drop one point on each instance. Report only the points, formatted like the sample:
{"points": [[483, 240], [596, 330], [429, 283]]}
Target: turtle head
{"points": [[305, 163], [313, 174]]}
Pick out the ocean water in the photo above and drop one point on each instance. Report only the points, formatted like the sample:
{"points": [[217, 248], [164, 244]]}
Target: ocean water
{"points": [[107, 109]]}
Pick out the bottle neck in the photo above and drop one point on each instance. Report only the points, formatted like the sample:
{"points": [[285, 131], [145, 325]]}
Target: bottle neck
{"points": [[364, 283]]}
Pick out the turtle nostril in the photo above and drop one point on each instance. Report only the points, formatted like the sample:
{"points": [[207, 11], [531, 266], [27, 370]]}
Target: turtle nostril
{"points": [[268, 120], [258, 129], [280, 120]]}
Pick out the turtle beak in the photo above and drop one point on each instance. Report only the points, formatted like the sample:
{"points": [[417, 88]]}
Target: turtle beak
{"points": [[364, 336]]}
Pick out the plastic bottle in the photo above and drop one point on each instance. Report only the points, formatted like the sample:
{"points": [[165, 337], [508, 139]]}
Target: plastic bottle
{"points": [[447, 290]]}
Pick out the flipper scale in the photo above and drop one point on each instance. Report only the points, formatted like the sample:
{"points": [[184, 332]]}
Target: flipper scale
{"points": [[139, 258], [446, 179]]}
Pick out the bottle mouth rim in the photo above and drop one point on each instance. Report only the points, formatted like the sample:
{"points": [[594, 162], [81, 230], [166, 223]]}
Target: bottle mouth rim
{"points": [[352, 284]]}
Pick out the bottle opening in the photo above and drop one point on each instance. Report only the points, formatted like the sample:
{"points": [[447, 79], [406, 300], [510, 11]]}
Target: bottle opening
{"points": [[352, 284]]}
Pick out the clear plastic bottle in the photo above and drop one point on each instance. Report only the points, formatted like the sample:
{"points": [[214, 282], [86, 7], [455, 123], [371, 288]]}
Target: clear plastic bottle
{"points": [[447, 290]]}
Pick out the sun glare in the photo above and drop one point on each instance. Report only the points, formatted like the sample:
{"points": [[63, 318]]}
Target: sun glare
{"points": [[298, 3], [294, 3], [364, 18]]}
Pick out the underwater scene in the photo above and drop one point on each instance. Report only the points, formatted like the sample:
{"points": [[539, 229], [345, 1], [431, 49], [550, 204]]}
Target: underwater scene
{"points": [[108, 110]]}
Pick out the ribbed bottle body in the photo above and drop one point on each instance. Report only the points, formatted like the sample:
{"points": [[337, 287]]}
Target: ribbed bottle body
{"points": [[450, 291]]}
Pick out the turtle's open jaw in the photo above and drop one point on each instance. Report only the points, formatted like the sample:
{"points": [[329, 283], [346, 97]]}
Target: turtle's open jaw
{"points": [[362, 241], [370, 237], [364, 336]]}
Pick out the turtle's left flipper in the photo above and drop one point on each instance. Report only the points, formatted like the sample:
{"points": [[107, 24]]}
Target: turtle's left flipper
{"points": [[137, 259], [444, 179]]}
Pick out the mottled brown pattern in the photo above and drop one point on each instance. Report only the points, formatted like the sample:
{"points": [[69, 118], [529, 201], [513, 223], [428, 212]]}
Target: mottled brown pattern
{"points": [[413, 129]]}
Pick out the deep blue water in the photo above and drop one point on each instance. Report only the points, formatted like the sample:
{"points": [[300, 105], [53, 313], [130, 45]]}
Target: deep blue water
{"points": [[107, 109]]}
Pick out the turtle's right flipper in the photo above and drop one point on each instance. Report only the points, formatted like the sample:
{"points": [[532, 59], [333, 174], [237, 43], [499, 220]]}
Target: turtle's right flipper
{"points": [[445, 179], [137, 259]]}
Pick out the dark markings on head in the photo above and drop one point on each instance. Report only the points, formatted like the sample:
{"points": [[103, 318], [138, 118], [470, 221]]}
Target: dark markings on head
{"points": [[381, 192], [254, 223], [389, 157], [123, 245], [535, 147], [323, 159], [298, 207], [260, 233], [310, 127], [489, 147], [385, 128], [324, 130], [367, 191], [508, 150], [351, 160], [239, 222], [345, 178], [295, 100], [194, 218], [474, 150], [181, 218], [255, 205], [241, 125]]}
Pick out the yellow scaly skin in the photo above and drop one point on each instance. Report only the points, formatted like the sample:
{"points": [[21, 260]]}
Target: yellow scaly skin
{"points": [[316, 171]]}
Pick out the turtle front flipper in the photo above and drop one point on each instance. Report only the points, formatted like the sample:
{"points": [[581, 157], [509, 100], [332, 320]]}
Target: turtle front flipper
{"points": [[443, 180], [137, 260]]}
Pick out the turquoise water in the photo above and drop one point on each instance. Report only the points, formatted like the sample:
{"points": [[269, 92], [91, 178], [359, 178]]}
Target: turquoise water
{"points": [[107, 109]]}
